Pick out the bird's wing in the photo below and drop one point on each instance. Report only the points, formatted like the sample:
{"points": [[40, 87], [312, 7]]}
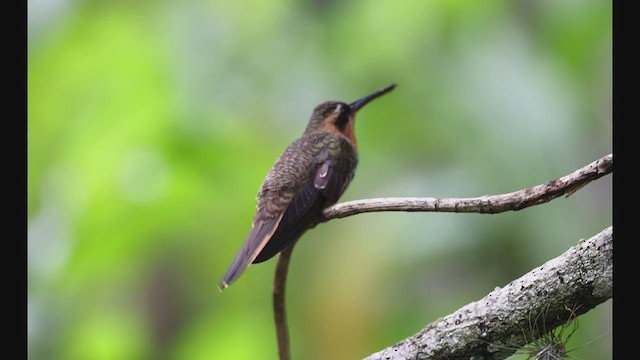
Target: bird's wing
{"points": [[283, 216], [327, 182], [333, 176]]}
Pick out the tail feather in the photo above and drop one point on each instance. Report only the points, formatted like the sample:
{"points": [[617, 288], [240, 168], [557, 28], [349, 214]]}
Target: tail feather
{"points": [[253, 244]]}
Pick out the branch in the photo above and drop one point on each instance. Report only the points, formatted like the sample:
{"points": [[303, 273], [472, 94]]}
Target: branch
{"points": [[493, 204], [492, 328], [279, 311], [517, 200]]}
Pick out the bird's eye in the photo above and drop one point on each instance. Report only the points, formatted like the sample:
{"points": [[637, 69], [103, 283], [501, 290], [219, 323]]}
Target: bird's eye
{"points": [[342, 117]]}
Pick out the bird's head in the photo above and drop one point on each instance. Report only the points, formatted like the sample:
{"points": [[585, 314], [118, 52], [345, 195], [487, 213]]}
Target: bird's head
{"points": [[339, 117]]}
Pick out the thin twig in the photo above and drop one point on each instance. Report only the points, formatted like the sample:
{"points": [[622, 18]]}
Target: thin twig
{"points": [[493, 204], [279, 310]]}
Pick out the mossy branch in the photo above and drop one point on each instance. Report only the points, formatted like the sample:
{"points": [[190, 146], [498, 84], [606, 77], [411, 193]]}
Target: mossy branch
{"points": [[522, 311]]}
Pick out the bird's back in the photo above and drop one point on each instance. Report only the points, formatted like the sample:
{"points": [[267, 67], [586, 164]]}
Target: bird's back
{"points": [[291, 187]]}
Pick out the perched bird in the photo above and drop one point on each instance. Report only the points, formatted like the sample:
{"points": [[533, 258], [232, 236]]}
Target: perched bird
{"points": [[310, 175]]}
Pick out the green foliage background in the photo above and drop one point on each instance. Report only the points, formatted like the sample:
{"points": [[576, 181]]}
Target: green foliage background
{"points": [[151, 125]]}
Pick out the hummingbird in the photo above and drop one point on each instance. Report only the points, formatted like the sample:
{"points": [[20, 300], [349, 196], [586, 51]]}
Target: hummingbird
{"points": [[310, 175]]}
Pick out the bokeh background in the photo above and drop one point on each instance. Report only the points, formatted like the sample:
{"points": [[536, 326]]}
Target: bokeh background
{"points": [[151, 125]]}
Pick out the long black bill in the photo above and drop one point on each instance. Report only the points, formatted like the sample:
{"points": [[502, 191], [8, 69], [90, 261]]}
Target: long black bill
{"points": [[358, 104]]}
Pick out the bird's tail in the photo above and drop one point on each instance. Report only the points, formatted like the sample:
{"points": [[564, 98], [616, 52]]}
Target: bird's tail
{"points": [[252, 246]]}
